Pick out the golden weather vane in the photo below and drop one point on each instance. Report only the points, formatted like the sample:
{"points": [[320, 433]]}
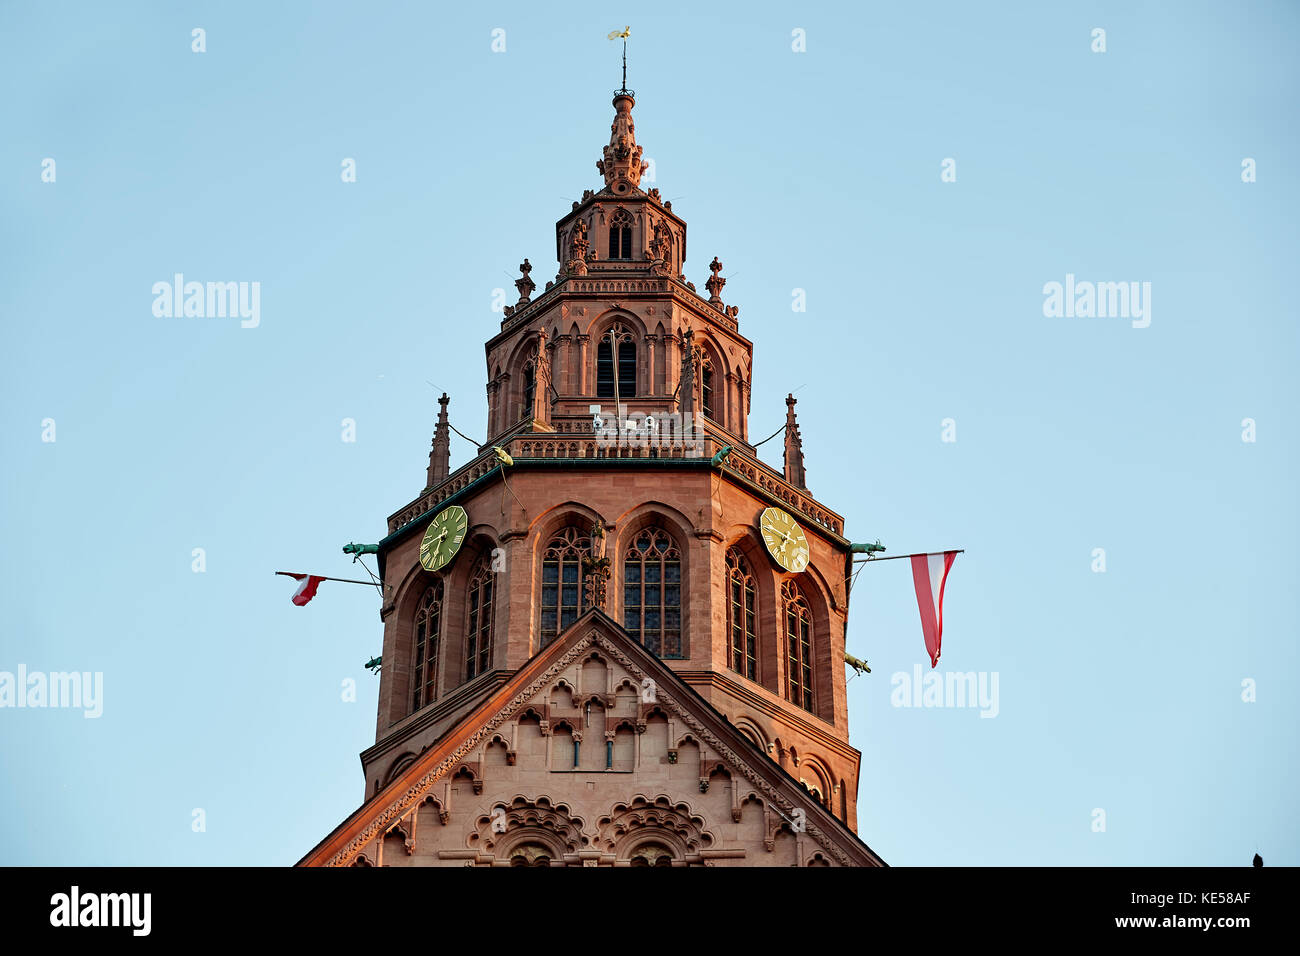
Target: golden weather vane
{"points": [[622, 35]]}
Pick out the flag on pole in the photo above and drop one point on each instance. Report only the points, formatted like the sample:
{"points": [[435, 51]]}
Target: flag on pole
{"points": [[929, 574], [307, 585]]}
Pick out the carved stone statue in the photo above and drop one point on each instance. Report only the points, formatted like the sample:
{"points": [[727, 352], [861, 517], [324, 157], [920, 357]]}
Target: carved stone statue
{"points": [[715, 282], [596, 569], [525, 283], [579, 248], [661, 246]]}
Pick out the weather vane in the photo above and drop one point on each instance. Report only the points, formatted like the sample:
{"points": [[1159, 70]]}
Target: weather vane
{"points": [[622, 35]]}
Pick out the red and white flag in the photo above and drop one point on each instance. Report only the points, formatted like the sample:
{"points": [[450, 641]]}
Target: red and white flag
{"points": [[929, 574], [307, 585]]}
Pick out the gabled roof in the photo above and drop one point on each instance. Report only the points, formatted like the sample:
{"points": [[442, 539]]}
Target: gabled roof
{"points": [[592, 629]]}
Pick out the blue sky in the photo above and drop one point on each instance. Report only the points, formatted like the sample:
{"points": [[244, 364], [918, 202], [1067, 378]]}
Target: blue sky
{"points": [[820, 171]]}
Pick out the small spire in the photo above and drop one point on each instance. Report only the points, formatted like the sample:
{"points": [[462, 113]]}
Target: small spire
{"points": [[622, 166], [525, 283], [440, 455], [794, 472], [715, 282]]}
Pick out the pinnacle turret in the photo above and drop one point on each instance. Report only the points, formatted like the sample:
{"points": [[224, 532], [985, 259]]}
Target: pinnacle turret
{"points": [[622, 166]]}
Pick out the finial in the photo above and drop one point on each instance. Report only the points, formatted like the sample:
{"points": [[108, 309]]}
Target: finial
{"points": [[715, 282], [525, 283], [440, 453], [794, 468], [622, 166]]}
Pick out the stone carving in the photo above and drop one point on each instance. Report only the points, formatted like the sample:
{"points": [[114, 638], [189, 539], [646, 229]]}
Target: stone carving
{"points": [[525, 283], [579, 249], [661, 248], [538, 814], [686, 386], [715, 282], [622, 166], [660, 815], [402, 803], [596, 569]]}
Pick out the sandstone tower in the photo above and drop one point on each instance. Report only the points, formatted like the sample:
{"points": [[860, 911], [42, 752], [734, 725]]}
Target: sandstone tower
{"points": [[615, 637]]}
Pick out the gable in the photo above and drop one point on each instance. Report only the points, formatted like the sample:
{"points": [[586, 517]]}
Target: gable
{"points": [[594, 753]]}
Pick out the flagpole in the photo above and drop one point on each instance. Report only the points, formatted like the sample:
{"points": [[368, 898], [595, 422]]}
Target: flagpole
{"points": [[896, 557], [369, 584]]}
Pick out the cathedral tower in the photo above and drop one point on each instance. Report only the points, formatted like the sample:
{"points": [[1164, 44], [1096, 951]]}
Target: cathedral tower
{"points": [[615, 636]]}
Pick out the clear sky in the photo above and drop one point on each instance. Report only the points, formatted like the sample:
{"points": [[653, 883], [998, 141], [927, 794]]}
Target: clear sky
{"points": [[820, 170]]}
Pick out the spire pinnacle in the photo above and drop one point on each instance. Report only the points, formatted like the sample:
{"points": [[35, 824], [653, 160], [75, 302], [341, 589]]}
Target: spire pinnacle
{"points": [[794, 471], [622, 166], [440, 454]]}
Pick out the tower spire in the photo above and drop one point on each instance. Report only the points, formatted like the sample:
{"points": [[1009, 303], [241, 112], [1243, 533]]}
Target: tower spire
{"points": [[622, 166], [794, 472], [440, 454]]}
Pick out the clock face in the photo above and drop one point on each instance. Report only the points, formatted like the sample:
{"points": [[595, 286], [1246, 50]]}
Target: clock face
{"points": [[443, 537], [784, 539]]}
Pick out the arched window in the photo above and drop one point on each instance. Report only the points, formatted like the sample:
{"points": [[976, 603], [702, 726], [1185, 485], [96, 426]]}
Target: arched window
{"points": [[706, 390], [798, 643], [530, 854], [620, 235], [651, 854], [620, 338], [478, 634], [562, 597], [428, 630], [741, 615], [652, 593], [530, 390]]}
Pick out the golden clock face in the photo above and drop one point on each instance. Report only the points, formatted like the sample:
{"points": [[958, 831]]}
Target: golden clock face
{"points": [[784, 539], [443, 537]]}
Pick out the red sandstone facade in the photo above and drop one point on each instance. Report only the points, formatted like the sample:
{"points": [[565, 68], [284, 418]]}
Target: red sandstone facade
{"points": [[681, 702]]}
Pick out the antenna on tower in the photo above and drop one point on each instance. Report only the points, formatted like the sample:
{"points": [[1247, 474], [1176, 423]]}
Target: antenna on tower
{"points": [[622, 35]]}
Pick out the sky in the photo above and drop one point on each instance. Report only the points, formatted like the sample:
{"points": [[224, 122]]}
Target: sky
{"points": [[157, 469]]}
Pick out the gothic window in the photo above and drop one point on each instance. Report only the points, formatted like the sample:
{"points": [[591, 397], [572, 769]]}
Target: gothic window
{"points": [[741, 614], [620, 235], [428, 630], [622, 338], [530, 389], [798, 642], [478, 636], [562, 597], [652, 593], [706, 390]]}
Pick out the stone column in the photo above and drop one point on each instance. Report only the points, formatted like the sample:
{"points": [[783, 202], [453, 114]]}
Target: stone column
{"points": [[583, 340], [651, 346], [561, 372]]}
